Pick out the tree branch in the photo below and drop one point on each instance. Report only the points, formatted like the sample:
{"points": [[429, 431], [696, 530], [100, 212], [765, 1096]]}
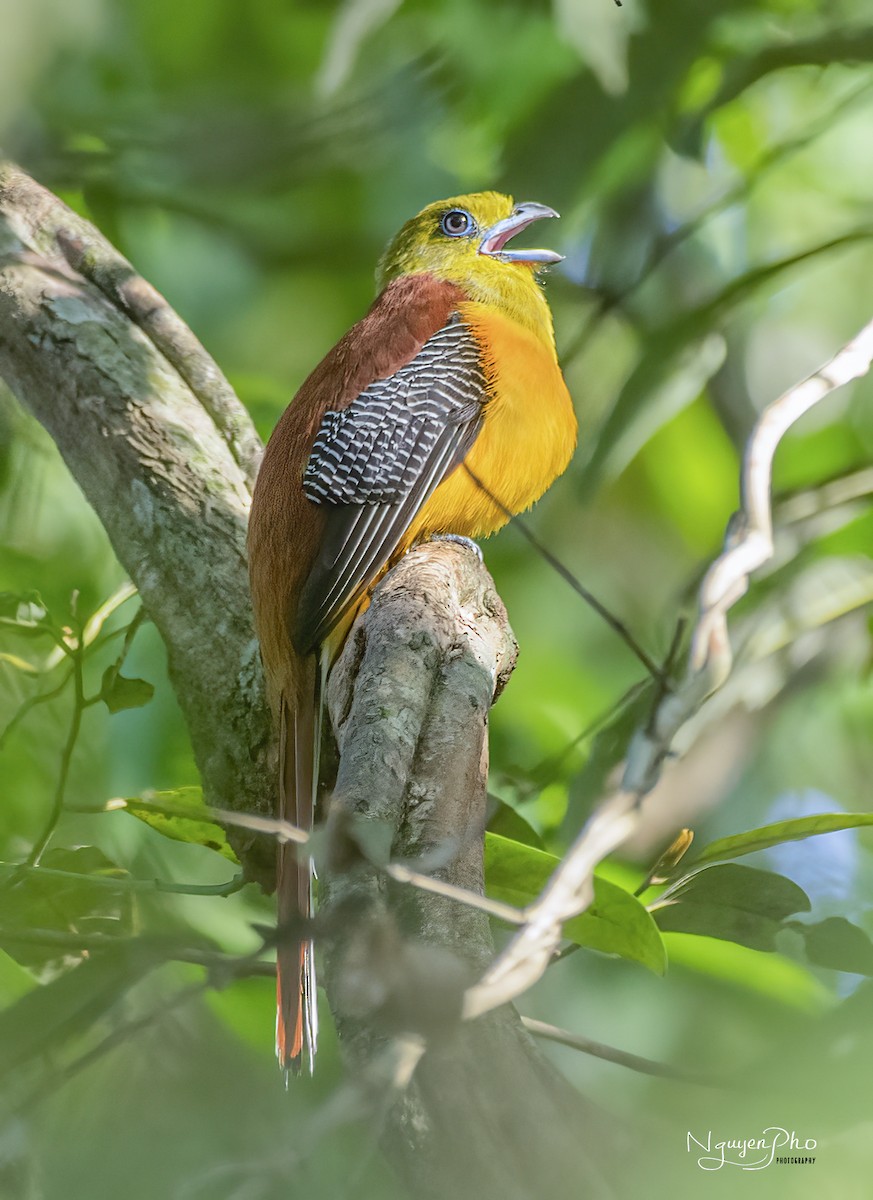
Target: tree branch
{"points": [[119, 383], [42, 221], [748, 545], [409, 700]]}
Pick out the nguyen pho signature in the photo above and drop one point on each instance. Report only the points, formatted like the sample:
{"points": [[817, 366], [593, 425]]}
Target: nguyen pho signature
{"points": [[752, 1154]]}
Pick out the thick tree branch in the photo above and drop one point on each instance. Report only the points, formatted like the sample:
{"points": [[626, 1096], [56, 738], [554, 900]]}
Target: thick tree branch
{"points": [[52, 229], [111, 375], [409, 698]]}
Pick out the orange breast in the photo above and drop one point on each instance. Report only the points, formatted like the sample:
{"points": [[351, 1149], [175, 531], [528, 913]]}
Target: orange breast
{"points": [[526, 441]]}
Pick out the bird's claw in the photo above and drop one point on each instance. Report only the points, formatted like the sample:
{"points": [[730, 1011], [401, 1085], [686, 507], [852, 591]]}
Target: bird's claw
{"points": [[461, 541]]}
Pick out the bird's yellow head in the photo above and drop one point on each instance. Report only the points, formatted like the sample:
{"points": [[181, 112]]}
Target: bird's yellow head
{"points": [[464, 240]]}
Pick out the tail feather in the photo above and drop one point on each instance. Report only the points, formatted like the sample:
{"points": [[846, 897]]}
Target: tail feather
{"points": [[296, 1008]]}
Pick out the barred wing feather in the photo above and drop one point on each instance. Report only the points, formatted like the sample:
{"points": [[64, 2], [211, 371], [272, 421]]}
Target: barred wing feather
{"points": [[375, 463]]}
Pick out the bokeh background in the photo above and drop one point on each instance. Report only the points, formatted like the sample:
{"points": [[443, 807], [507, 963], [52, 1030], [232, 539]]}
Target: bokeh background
{"points": [[712, 165]]}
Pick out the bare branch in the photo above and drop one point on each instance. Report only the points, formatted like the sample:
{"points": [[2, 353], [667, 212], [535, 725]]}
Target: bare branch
{"points": [[439, 887], [748, 545], [636, 1062], [126, 883]]}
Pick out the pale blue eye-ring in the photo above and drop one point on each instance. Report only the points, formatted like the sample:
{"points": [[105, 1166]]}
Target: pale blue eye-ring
{"points": [[457, 222]]}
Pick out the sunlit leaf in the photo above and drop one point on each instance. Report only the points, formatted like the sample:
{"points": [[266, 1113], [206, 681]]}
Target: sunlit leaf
{"points": [[180, 814], [98, 618], [774, 976], [794, 830], [616, 923], [26, 614], [94, 624], [22, 608]]}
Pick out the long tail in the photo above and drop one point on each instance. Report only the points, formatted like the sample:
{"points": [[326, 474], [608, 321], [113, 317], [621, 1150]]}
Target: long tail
{"points": [[296, 1008]]}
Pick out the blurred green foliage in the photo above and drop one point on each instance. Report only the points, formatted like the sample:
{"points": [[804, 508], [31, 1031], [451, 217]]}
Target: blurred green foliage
{"points": [[712, 166]]}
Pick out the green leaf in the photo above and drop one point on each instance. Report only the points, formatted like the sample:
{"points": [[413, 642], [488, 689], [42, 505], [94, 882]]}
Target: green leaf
{"points": [[509, 823], [15, 981], [737, 904], [94, 625], [838, 944], [182, 815], [616, 923], [118, 692], [781, 831], [47, 902]]}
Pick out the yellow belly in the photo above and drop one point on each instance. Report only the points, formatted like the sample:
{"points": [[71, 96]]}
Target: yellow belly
{"points": [[527, 437]]}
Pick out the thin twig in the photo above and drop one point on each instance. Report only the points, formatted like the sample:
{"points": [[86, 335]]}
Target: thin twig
{"points": [[165, 948], [92, 628], [127, 883], [284, 831], [438, 887], [841, 490], [566, 574], [748, 545], [541, 775], [32, 702], [636, 1062], [547, 769], [54, 816]]}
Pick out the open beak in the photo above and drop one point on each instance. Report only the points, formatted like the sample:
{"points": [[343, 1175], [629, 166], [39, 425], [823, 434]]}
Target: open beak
{"points": [[494, 242]]}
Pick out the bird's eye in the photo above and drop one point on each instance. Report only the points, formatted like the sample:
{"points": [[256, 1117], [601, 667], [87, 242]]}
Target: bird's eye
{"points": [[456, 223]]}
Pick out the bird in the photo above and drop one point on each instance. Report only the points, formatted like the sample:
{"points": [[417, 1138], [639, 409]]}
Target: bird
{"points": [[442, 412]]}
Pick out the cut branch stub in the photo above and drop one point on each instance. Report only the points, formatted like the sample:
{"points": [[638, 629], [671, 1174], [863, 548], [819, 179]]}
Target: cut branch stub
{"points": [[409, 700]]}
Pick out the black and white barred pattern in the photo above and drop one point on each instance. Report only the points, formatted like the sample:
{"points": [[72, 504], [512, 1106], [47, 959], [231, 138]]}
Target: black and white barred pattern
{"points": [[375, 450]]}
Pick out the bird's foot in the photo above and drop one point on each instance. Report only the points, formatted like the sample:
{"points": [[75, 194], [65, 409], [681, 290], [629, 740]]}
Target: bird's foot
{"points": [[461, 541]]}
